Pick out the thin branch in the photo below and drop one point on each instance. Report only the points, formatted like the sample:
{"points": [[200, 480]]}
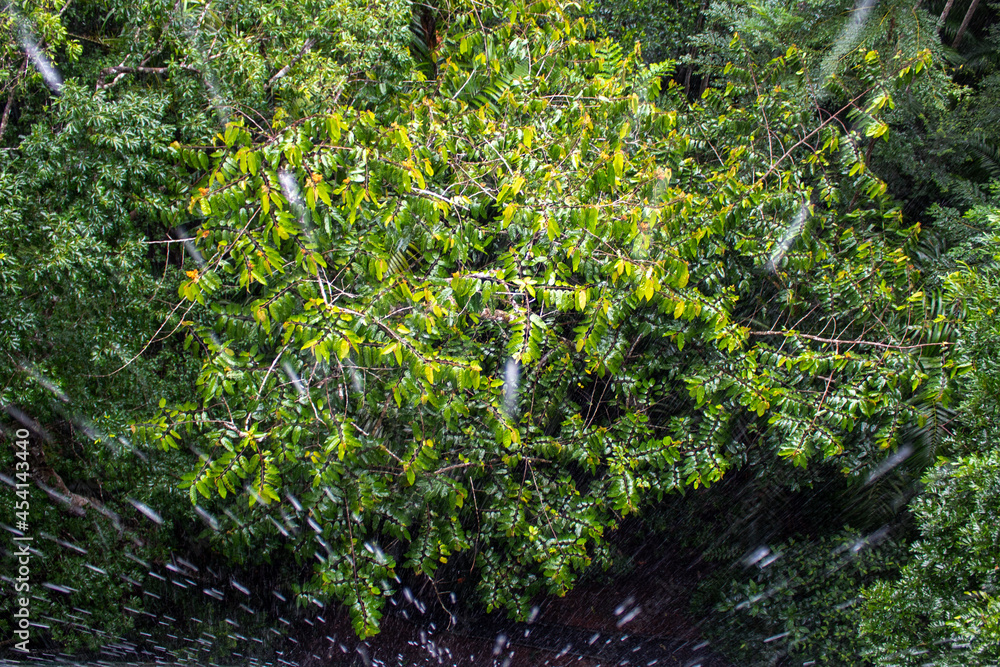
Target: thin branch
{"points": [[10, 99], [287, 68], [965, 24], [6, 112], [944, 14], [870, 343], [193, 238], [119, 71]]}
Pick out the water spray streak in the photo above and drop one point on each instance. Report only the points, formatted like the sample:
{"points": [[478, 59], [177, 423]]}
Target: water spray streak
{"points": [[891, 462], [295, 379], [511, 377], [208, 76], [38, 58], [148, 511], [190, 247], [291, 189], [791, 233], [848, 37]]}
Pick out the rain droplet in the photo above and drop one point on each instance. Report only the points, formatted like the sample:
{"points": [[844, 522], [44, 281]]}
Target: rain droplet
{"points": [[295, 379], [147, 511], [294, 501], [847, 38], [240, 587], [214, 593], [890, 462], [791, 233], [770, 559], [188, 565], [620, 609], [628, 616], [38, 58], [755, 556], [511, 378], [59, 588]]}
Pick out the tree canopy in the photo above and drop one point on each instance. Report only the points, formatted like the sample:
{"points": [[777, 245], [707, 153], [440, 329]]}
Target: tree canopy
{"points": [[519, 298], [451, 290]]}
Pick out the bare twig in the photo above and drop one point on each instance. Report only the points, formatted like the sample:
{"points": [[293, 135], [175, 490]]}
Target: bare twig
{"points": [[119, 71], [287, 68], [870, 343], [10, 98]]}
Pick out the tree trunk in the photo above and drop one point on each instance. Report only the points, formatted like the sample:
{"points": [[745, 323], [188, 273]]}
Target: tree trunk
{"points": [[965, 24], [944, 14], [699, 22]]}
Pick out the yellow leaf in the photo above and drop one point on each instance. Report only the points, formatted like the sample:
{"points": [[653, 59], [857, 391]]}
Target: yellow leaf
{"points": [[552, 228], [649, 288]]}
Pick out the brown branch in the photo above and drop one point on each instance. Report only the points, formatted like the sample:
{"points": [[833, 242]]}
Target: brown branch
{"points": [[965, 24], [944, 13], [119, 71], [6, 112], [74, 502], [818, 339], [287, 68], [10, 98]]}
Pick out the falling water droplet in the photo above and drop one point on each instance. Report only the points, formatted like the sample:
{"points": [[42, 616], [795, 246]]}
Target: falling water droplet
{"points": [[631, 614], [533, 614], [146, 510], [890, 462], [207, 518], [38, 58], [847, 38], [240, 587], [511, 377], [791, 233], [295, 379], [294, 501], [755, 556], [626, 603]]}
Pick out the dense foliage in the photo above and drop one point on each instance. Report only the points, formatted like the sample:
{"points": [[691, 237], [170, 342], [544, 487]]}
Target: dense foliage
{"points": [[944, 606], [485, 320], [798, 602], [445, 291]]}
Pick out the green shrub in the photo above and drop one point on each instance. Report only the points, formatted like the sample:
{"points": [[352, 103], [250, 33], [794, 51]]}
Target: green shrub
{"points": [[796, 603]]}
